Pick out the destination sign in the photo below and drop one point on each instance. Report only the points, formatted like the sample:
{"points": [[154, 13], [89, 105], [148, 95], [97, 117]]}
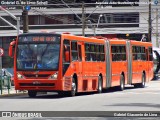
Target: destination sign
{"points": [[35, 38]]}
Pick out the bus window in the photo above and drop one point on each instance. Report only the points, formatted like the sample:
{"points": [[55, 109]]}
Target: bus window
{"points": [[66, 51], [87, 58], [143, 54], [150, 54], [102, 48], [134, 56], [102, 57], [134, 53], [79, 53], [139, 53], [97, 49], [74, 51], [87, 52], [97, 54], [118, 53], [66, 55], [93, 57], [87, 47]]}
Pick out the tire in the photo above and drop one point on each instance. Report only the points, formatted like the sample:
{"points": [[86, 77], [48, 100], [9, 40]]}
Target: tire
{"points": [[142, 84], [73, 89], [32, 94], [99, 89], [122, 83], [61, 93]]}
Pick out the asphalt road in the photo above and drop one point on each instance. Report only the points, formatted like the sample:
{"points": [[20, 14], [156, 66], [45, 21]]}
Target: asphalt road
{"points": [[131, 99]]}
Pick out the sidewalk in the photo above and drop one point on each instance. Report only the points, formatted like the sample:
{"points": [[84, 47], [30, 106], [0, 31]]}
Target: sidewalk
{"points": [[11, 92]]}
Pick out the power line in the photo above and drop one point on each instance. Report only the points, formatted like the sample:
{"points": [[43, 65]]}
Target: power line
{"points": [[53, 17]]}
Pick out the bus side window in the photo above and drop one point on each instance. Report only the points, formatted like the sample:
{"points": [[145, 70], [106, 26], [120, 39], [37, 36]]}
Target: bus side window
{"points": [[79, 53], [134, 56], [150, 54], [66, 51], [87, 52], [139, 56], [74, 50], [114, 53], [66, 54]]}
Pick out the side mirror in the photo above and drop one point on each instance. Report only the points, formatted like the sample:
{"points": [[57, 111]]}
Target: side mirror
{"points": [[11, 46]]}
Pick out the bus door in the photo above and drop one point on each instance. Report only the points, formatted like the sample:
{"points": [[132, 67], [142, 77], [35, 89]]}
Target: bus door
{"points": [[87, 67], [80, 73], [76, 65], [66, 56], [135, 64]]}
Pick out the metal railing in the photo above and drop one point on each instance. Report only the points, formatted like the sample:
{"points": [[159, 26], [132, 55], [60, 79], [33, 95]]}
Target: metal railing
{"points": [[5, 83], [6, 86]]}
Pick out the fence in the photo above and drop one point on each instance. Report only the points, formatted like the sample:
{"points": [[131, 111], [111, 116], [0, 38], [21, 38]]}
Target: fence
{"points": [[6, 87]]}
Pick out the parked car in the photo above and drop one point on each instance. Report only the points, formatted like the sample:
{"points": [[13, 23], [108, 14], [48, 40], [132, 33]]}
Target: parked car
{"points": [[8, 72], [156, 60]]}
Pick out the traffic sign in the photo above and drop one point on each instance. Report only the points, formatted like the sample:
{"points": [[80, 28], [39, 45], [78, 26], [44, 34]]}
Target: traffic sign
{"points": [[1, 52], [27, 7], [155, 2]]}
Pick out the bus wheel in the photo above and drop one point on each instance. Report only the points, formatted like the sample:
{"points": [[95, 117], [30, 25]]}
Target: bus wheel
{"points": [[142, 84], [121, 86], [99, 90], [32, 93], [61, 93], [74, 88]]}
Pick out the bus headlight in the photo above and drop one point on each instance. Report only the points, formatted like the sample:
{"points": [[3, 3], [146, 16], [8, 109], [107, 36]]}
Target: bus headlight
{"points": [[54, 76], [19, 76]]}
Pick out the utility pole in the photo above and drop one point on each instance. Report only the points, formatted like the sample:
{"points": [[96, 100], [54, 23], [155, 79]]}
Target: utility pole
{"points": [[149, 23], [157, 42], [83, 20], [25, 18]]}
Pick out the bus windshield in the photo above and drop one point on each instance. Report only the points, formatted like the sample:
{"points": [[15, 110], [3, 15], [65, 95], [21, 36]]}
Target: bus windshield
{"points": [[38, 56]]}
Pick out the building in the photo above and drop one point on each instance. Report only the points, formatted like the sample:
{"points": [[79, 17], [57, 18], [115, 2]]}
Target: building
{"points": [[110, 18]]}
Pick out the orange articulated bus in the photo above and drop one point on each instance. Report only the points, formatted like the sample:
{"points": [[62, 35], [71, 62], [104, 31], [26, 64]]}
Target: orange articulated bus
{"points": [[69, 64]]}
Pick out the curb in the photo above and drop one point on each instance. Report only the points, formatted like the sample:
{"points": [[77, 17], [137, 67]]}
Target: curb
{"points": [[13, 94]]}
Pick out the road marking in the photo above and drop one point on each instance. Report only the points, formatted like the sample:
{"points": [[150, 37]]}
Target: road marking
{"points": [[140, 92]]}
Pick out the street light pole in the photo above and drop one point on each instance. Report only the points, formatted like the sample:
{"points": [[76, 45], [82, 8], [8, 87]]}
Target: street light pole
{"points": [[149, 23], [157, 42], [83, 20], [93, 27], [25, 18], [18, 25], [99, 19]]}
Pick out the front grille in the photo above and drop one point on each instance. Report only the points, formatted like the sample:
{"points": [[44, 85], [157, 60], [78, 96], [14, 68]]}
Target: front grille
{"points": [[37, 75], [40, 84]]}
